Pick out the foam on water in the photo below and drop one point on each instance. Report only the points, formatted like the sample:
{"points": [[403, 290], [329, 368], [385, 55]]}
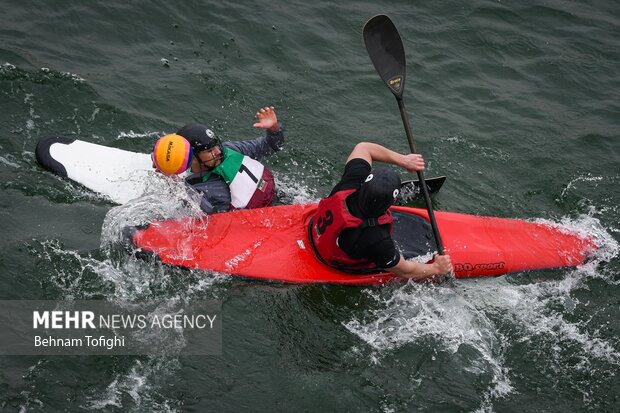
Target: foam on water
{"points": [[103, 273], [118, 275], [135, 389], [164, 198], [9, 70], [6, 67], [91, 276], [580, 188], [417, 313], [483, 151], [293, 191], [539, 316], [8, 159], [587, 178], [63, 75], [482, 314], [86, 276], [138, 135], [588, 226]]}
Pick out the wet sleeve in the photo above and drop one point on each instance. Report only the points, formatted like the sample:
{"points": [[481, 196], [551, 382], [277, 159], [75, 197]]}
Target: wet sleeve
{"points": [[260, 147], [384, 254], [215, 195], [206, 206]]}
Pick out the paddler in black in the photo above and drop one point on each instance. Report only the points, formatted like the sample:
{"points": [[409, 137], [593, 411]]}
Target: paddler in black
{"points": [[229, 175], [351, 229]]}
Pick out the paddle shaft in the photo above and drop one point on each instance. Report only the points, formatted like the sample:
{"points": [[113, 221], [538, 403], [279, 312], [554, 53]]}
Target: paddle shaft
{"points": [[423, 187], [386, 51]]}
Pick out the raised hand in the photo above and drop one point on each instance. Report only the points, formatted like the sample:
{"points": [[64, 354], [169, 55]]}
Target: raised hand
{"points": [[267, 119]]}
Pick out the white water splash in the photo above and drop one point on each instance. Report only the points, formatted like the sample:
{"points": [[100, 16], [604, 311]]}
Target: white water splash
{"points": [[66, 75], [292, 191], [123, 279], [8, 161], [463, 316], [138, 135], [416, 313], [588, 178], [587, 226], [30, 122], [484, 151], [541, 310], [163, 198], [94, 114], [137, 386], [7, 67]]}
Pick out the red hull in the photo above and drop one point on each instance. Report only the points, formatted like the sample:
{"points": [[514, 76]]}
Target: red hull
{"points": [[272, 243]]}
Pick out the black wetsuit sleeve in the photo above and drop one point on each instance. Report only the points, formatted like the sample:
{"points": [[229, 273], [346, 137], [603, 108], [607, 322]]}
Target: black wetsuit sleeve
{"points": [[384, 254], [260, 147], [355, 173]]}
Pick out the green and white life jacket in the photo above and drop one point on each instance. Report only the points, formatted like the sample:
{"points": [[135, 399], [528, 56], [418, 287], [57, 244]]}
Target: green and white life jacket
{"points": [[251, 183]]}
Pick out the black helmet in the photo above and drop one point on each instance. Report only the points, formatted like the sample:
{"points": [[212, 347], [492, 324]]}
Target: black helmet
{"points": [[377, 193], [201, 137]]}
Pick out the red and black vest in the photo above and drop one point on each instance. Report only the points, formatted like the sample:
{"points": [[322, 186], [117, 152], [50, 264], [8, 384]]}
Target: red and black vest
{"points": [[330, 219]]}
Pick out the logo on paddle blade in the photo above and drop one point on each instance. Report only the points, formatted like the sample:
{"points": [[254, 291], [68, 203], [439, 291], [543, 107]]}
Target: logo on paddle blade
{"points": [[396, 83]]}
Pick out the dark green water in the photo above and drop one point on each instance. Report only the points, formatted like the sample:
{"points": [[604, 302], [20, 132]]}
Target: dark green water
{"points": [[518, 103]]}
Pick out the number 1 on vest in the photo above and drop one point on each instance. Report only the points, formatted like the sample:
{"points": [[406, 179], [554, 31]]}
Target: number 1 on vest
{"points": [[245, 169]]}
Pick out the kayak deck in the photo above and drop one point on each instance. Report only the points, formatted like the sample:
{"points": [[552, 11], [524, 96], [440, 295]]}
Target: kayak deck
{"points": [[272, 244]]}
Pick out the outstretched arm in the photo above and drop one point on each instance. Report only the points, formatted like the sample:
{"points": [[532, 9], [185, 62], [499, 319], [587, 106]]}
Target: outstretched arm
{"points": [[419, 271], [371, 152]]}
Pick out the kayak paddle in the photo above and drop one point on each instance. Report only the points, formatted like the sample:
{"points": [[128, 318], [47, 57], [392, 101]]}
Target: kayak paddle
{"points": [[386, 51]]}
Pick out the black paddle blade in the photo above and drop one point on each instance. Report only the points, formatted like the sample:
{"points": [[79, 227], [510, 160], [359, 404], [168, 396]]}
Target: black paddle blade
{"points": [[386, 51], [413, 185]]}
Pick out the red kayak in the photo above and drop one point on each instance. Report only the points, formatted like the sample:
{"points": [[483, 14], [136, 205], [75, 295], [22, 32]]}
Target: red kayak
{"points": [[272, 244]]}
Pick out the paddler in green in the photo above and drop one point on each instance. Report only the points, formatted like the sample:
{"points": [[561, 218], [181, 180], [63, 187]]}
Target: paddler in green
{"points": [[230, 175]]}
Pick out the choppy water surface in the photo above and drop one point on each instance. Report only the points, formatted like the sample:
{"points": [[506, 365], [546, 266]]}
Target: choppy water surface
{"points": [[518, 104]]}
